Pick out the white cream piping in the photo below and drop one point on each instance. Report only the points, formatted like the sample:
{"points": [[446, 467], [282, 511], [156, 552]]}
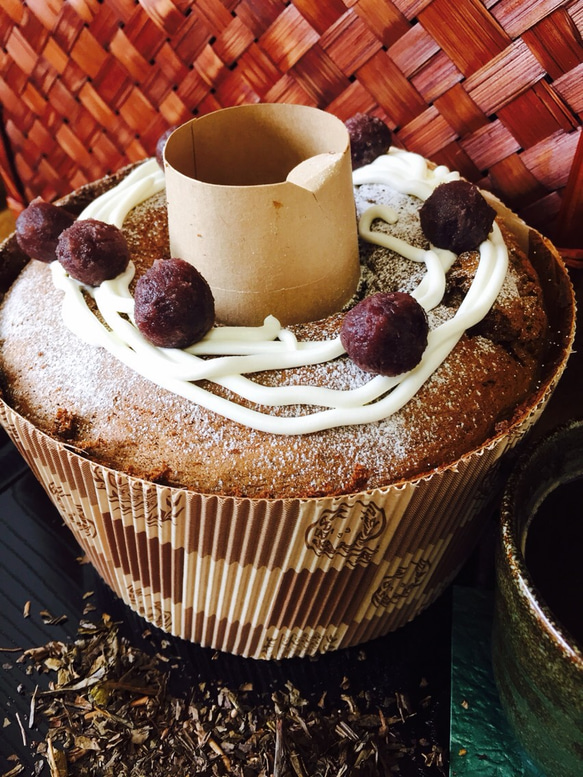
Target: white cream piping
{"points": [[239, 351]]}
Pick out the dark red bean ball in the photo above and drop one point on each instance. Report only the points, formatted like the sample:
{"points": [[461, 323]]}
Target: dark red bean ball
{"points": [[457, 217], [92, 251], [38, 228], [161, 144], [369, 138], [174, 305], [385, 333]]}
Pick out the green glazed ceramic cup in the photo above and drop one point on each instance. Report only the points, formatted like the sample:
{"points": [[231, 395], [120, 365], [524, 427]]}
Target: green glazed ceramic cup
{"points": [[537, 665]]}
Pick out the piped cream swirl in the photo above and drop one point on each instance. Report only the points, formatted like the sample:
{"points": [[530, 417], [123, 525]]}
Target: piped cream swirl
{"points": [[237, 352]]}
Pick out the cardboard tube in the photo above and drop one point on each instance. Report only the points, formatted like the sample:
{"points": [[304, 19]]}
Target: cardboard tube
{"points": [[260, 201]]}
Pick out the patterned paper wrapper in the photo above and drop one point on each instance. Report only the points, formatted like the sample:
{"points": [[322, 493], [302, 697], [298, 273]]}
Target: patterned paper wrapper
{"points": [[282, 578]]}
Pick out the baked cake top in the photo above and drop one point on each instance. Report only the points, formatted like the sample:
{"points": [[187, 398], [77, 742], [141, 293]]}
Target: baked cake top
{"points": [[260, 421]]}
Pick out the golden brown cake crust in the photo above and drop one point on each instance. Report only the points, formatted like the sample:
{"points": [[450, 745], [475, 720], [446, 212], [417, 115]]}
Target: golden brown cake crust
{"points": [[96, 405]]}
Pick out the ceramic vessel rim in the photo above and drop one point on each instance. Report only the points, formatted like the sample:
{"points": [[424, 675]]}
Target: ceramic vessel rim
{"points": [[512, 555]]}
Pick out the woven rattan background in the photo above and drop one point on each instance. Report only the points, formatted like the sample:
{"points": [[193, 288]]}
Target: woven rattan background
{"points": [[494, 89]]}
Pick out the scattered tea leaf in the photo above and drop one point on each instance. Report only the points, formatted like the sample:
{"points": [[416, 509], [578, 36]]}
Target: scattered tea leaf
{"points": [[108, 712], [18, 769]]}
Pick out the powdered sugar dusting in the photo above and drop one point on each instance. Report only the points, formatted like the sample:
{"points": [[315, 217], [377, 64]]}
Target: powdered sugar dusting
{"points": [[240, 350], [130, 423]]}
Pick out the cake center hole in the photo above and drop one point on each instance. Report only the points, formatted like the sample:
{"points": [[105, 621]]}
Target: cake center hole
{"points": [[249, 148]]}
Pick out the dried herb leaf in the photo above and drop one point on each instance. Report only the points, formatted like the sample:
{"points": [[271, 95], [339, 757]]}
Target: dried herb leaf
{"points": [[110, 714]]}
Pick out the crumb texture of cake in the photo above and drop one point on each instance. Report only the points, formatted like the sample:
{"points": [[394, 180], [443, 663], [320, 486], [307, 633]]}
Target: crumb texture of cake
{"points": [[107, 412]]}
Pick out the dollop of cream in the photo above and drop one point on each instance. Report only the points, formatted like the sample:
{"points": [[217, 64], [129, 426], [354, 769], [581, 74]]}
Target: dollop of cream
{"points": [[227, 355]]}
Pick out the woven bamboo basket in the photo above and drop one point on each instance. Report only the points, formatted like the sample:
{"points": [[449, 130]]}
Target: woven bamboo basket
{"points": [[493, 89]]}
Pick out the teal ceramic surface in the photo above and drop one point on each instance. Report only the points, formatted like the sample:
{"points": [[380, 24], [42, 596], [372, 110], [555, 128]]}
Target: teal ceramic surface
{"points": [[537, 664]]}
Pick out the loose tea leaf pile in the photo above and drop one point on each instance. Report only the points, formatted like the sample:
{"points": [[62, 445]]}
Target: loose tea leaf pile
{"points": [[109, 712]]}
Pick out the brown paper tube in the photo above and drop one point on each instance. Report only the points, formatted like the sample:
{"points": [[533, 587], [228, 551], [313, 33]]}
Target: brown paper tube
{"points": [[260, 201]]}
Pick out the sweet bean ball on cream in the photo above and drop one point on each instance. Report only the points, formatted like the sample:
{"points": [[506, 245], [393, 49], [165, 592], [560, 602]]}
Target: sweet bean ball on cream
{"points": [[457, 217], [38, 228], [174, 306], [92, 251], [369, 138], [385, 333]]}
